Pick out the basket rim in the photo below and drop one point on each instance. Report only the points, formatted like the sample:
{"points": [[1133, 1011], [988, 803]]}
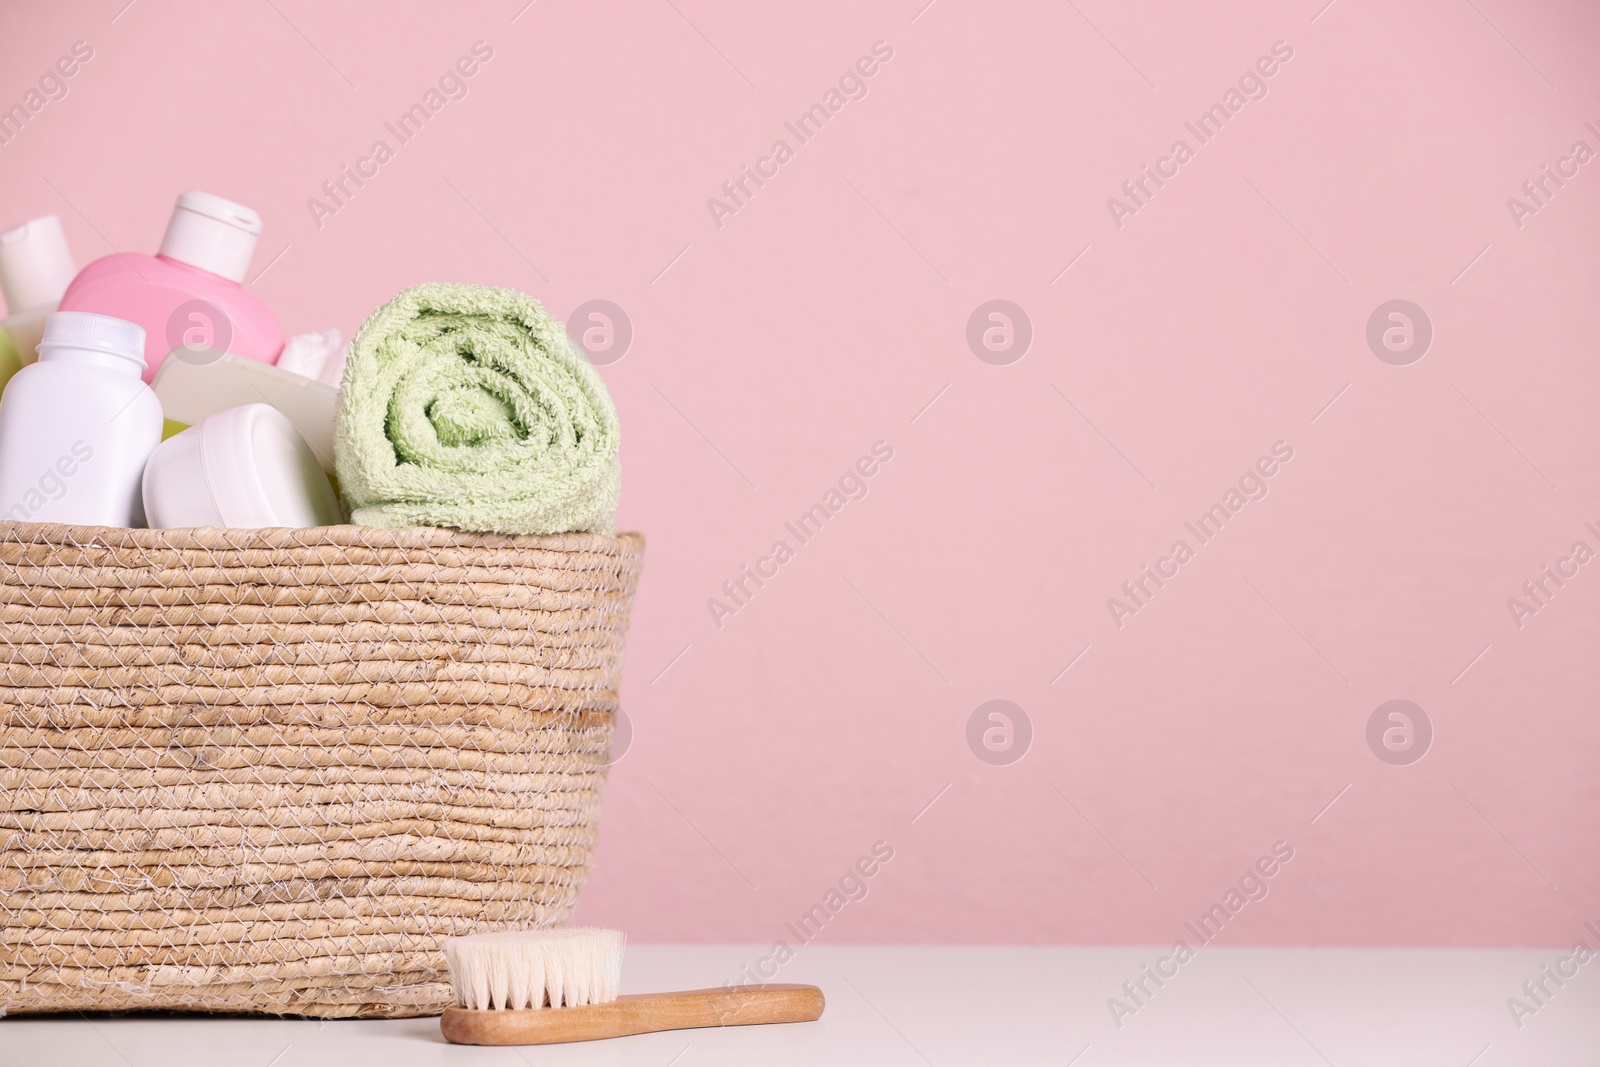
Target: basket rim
{"points": [[346, 535], [278, 537]]}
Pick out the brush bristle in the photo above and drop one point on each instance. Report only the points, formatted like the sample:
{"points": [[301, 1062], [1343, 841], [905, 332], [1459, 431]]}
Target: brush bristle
{"points": [[534, 968]]}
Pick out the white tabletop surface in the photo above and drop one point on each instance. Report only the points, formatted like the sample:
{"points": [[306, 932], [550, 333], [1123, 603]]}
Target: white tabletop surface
{"points": [[963, 1005]]}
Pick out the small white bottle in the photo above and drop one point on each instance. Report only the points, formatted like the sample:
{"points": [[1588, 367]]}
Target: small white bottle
{"points": [[35, 269], [77, 427]]}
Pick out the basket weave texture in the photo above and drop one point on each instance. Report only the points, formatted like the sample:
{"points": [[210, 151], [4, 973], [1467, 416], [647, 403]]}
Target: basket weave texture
{"points": [[270, 770]]}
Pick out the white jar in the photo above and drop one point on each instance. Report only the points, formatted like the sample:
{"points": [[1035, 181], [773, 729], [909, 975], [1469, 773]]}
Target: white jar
{"points": [[243, 468], [77, 426]]}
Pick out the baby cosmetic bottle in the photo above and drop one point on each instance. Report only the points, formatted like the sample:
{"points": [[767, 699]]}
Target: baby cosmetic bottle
{"points": [[77, 427], [189, 296], [35, 269]]}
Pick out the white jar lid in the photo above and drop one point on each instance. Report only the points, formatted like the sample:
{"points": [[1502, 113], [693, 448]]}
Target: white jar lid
{"points": [[213, 234], [35, 264], [261, 472]]}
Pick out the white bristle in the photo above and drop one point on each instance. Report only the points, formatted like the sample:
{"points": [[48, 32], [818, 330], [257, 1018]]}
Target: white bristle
{"points": [[534, 968]]}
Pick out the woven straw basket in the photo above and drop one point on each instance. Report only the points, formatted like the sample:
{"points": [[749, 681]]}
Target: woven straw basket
{"points": [[270, 770]]}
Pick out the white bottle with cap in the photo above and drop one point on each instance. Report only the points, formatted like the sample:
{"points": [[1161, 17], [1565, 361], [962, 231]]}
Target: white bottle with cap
{"points": [[189, 297], [35, 269], [77, 427]]}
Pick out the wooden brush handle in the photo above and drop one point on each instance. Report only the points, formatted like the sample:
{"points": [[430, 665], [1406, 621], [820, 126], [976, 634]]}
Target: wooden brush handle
{"points": [[635, 1014]]}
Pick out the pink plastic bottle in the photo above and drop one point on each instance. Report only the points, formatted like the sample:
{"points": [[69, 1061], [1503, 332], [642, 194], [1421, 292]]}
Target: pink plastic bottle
{"points": [[188, 296]]}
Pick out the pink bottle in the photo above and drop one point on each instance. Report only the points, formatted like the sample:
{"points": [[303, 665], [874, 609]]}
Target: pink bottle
{"points": [[188, 296]]}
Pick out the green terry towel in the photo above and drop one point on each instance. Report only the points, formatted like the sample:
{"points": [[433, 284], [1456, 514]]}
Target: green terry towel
{"points": [[470, 407]]}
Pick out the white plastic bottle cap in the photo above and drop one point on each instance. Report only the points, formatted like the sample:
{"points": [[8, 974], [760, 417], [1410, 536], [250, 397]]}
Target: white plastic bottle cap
{"points": [[213, 234], [35, 264], [97, 333]]}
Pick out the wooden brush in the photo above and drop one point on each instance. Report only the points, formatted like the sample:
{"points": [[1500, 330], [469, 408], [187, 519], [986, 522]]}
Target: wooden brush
{"points": [[541, 987]]}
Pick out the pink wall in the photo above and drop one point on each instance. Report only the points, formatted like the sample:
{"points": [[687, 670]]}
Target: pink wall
{"points": [[829, 312]]}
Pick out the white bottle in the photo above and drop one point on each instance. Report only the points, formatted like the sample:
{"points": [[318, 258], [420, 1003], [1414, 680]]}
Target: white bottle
{"points": [[35, 269], [77, 427]]}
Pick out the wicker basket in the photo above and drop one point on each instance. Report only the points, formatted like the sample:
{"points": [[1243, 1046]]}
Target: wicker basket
{"points": [[268, 771]]}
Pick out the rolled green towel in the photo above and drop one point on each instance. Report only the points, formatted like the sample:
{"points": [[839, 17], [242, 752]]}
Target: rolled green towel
{"points": [[470, 407]]}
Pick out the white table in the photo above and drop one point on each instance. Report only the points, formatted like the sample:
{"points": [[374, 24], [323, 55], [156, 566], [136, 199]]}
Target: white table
{"points": [[962, 1005]]}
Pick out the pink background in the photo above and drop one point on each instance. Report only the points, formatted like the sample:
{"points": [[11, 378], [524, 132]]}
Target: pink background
{"points": [[772, 752]]}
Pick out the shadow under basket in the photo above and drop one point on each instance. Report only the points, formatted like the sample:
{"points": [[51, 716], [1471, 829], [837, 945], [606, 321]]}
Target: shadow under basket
{"points": [[271, 770]]}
